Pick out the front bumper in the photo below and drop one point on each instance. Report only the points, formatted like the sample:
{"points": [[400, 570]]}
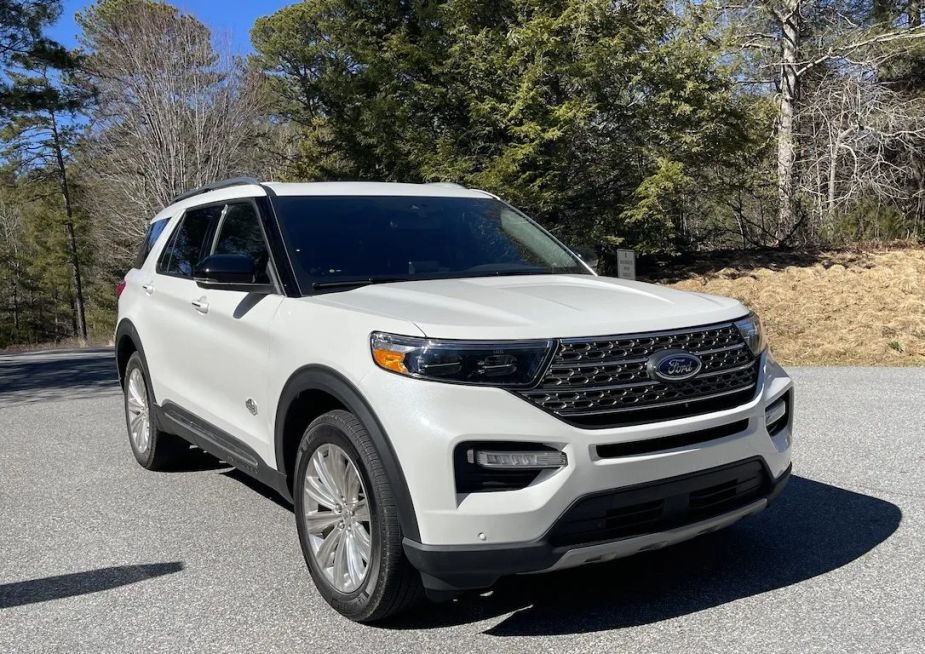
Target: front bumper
{"points": [[425, 421], [448, 570]]}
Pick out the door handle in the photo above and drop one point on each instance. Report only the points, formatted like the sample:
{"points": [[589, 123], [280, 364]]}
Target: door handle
{"points": [[148, 288], [201, 305]]}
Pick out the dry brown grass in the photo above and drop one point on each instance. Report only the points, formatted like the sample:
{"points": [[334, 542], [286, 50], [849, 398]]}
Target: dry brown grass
{"points": [[844, 308]]}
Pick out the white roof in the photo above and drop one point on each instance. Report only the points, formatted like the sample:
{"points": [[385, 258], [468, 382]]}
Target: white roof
{"points": [[376, 188], [325, 188]]}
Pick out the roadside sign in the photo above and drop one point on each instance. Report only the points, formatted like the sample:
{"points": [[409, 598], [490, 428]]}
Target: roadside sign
{"points": [[626, 264]]}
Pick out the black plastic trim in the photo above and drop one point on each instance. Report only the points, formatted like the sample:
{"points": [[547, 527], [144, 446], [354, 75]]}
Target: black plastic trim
{"points": [[473, 478], [787, 419], [126, 328], [448, 570], [616, 450], [322, 378], [175, 419], [278, 252]]}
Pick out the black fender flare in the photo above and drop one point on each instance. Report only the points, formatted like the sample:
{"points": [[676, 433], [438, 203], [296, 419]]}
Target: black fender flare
{"points": [[328, 380], [127, 328]]}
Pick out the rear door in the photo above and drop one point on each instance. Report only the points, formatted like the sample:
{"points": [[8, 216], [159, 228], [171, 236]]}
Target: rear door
{"points": [[171, 322]]}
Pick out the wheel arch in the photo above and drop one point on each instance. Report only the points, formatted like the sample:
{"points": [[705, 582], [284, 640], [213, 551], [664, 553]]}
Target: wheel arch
{"points": [[127, 341], [332, 390]]}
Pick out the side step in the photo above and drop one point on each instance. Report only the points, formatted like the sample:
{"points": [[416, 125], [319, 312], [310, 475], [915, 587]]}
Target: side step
{"points": [[177, 420]]}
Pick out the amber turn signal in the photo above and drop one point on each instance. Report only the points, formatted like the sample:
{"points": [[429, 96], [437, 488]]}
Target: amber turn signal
{"points": [[390, 360]]}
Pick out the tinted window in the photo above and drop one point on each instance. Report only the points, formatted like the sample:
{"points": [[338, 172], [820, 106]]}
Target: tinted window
{"points": [[155, 229], [189, 242], [239, 233], [350, 238]]}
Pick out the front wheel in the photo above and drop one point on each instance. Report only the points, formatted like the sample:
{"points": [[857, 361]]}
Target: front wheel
{"points": [[347, 520]]}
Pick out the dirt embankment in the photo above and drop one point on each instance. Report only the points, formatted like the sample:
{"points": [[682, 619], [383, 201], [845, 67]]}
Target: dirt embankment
{"points": [[844, 308]]}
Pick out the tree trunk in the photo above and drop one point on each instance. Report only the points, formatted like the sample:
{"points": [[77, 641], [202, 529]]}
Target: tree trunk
{"points": [[830, 194], [789, 19], [914, 13], [16, 302], [79, 312]]}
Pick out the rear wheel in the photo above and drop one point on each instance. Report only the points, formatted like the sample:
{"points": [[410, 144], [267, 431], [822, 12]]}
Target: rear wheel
{"points": [[347, 520], [153, 449]]}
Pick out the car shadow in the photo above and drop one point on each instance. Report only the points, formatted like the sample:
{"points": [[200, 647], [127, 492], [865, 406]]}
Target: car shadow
{"points": [[196, 460], [45, 589], [812, 529], [44, 376], [739, 263], [258, 487]]}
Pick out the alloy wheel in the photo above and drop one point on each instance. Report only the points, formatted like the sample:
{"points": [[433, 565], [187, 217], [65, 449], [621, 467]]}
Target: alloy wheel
{"points": [[337, 518], [136, 408]]}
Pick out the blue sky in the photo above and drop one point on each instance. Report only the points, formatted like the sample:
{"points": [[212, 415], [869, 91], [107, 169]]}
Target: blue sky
{"points": [[226, 18]]}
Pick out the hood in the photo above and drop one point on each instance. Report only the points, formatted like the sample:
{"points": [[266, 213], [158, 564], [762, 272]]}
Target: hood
{"points": [[535, 306]]}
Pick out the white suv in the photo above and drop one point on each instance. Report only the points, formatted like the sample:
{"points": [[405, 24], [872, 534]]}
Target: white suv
{"points": [[445, 392]]}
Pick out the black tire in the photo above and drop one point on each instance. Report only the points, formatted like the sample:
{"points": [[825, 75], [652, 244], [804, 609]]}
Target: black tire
{"points": [[163, 450], [391, 584]]}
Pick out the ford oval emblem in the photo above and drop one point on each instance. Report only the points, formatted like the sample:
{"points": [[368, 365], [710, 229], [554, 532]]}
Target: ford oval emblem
{"points": [[673, 365]]}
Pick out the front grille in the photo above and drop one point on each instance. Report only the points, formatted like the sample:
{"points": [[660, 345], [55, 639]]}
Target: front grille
{"points": [[662, 505], [603, 382]]}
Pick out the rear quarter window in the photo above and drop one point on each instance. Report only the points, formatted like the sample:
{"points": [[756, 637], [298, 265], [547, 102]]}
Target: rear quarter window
{"points": [[155, 229]]}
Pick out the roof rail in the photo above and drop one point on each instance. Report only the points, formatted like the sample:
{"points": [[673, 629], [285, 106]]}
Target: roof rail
{"points": [[446, 184], [214, 186]]}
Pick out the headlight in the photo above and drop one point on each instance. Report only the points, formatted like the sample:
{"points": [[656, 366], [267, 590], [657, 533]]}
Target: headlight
{"points": [[752, 333], [461, 362]]}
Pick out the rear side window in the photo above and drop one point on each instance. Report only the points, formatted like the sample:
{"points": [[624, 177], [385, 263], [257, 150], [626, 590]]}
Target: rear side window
{"points": [[190, 242], [155, 229]]}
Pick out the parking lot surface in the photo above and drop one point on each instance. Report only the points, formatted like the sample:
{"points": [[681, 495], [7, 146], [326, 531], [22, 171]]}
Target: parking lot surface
{"points": [[99, 555]]}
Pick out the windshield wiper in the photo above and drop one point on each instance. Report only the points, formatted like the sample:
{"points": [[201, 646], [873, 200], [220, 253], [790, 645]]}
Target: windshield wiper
{"points": [[349, 283]]}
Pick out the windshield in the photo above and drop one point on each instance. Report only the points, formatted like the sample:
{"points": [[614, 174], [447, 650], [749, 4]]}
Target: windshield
{"points": [[334, 241]]}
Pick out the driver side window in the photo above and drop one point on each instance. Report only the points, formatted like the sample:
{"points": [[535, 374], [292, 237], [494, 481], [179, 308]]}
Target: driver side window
{"points": [[239, 232]]}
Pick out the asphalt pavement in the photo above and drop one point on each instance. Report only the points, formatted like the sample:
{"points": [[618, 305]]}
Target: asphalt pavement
{"points": [[99, 555]]}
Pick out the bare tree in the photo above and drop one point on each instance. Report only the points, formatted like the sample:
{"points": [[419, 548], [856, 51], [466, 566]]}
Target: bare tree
{"points": [[11, 258], [793, 43], [171, 113], [856, 131]]}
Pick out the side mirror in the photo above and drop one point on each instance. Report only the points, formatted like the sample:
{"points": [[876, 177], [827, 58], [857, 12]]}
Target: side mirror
{"points": [[588, 254], [229, 272]]}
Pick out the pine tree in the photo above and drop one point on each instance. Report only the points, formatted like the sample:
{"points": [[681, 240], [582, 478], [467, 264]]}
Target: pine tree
{"points": [[39, 136]]}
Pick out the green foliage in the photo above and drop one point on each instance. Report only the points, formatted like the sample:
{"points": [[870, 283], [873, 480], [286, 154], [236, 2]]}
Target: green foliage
{"points": [[21, 25], [870, 220], [36, 291], [658, 201], [568, 108]]}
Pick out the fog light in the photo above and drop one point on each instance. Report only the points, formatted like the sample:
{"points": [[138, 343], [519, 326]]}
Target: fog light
{"points": [[517, 460], [775, 416]]}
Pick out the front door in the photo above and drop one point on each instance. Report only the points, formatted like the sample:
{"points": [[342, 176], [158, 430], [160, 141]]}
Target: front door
{"points": [[228, 350], [212, 344]]}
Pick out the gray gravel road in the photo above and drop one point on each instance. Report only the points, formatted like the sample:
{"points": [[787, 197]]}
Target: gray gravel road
{"points": [[96, 554]]}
